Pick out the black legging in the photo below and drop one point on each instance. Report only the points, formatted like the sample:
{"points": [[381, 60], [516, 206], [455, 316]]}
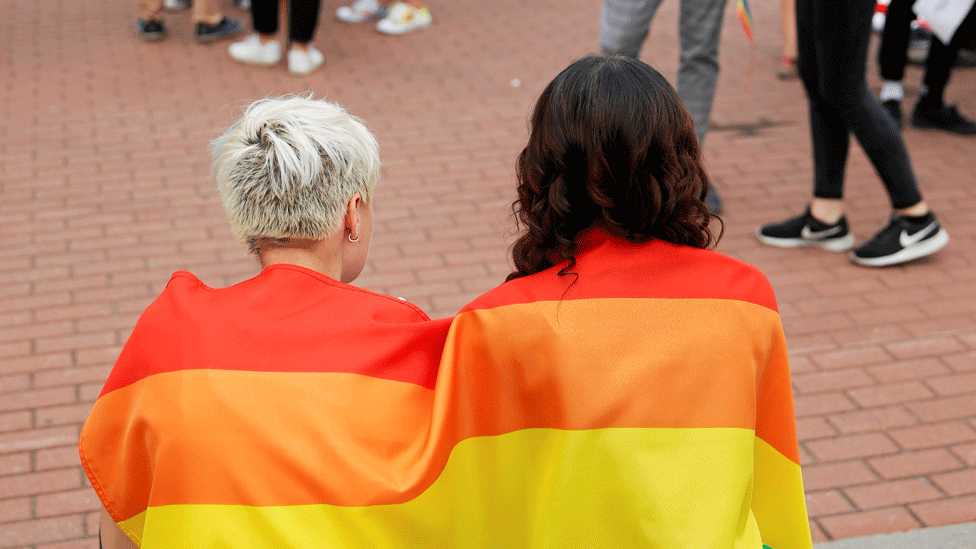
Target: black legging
{"points": [[303, 17], [893, 53], [832, 38]]}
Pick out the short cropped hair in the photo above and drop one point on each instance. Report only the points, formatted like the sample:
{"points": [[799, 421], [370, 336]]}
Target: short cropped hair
{"points": [[610, 145], [288, 167]]}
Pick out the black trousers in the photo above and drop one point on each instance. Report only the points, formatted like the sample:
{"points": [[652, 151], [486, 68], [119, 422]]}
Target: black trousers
{"points": [[893, 54], [303, 18], [832, 39]]}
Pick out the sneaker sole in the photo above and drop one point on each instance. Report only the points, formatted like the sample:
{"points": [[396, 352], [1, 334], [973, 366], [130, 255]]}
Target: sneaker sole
{"points": [[922, 249], [405, 30], [841, 244], [304, 73], [355, 19], [922, 125], [255, 62], [208, 38]]}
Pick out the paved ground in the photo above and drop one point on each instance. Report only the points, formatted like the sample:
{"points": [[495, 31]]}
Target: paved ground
{"points": [[104, 191]]}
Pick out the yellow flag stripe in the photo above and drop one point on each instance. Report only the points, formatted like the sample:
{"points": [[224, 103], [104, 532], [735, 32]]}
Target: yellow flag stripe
{"points": [[624, 487], [778, 500]]}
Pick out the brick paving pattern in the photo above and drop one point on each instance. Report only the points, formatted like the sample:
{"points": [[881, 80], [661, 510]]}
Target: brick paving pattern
{"points": [[104, 191]]}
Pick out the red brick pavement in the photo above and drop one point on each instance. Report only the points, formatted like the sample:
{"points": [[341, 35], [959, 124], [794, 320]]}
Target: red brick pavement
{"points": [[104, 191]]}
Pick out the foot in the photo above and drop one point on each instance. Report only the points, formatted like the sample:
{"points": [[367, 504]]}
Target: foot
{"points": [[902, 240], [150, 31], [360, 11], [713, 201], [176, 5], [301, 62], [787, 68], [226, 28], [893, 106], [806, 230], [404, 18], [943, 118], [252, 51]]}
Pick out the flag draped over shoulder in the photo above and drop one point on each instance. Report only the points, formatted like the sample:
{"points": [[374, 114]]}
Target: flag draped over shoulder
{"points": [[239, 417], [643, 401]]}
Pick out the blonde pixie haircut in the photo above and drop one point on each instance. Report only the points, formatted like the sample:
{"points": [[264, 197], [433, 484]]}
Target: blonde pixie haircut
{"points": [[289, 166]]}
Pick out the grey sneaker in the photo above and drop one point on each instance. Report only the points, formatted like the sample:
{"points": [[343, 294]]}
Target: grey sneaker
{"points": [[226, 28]]}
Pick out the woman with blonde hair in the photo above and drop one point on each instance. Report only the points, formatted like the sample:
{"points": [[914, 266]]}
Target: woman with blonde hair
{"points": [[232, 414]]}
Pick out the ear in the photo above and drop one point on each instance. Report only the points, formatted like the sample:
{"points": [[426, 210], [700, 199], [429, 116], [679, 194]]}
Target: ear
{"points": [[352, 216]]}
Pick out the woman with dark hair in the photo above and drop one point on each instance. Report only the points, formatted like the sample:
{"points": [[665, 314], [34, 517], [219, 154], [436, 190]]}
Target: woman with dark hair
{"points": [[628, 386]]}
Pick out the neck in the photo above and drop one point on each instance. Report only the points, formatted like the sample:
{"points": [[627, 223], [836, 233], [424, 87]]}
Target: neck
{"points": [[321, 256]]}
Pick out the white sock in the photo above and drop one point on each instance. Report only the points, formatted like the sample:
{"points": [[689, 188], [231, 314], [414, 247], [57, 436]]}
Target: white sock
{"points": [[892, 90]]}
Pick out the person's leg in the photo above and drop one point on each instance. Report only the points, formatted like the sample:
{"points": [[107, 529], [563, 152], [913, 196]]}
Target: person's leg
{"points": [[893, 51], [303, 19], [150, 24], [823, 223], [624, 25], [262, 47], [264, 18], [787, 31], [699, 29], [151, 10], [829, 134], [206, 11], [941, 58], [845, 87]]}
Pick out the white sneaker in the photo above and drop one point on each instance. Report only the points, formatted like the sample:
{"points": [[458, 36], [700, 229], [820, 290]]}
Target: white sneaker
{"points": [[361, 10], [176, 5], [250, 50], [404, 18], [301, 62]]}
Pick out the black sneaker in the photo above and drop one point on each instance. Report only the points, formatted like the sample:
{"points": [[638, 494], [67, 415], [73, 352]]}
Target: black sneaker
{"points": [[713, 201], [224, 29], [900, 241], [943, 118], [806, 230], [893, 106], [150, 31]]}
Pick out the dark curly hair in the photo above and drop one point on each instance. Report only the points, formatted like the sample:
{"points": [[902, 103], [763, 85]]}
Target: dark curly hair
{"points": [[611, 146]]}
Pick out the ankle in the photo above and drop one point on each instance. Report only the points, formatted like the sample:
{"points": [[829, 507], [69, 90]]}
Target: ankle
{"points": [[918, 210], [266, 39], [827, 210], [299, 46]]}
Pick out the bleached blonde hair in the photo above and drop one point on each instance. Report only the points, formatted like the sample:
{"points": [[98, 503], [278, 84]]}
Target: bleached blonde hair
{"points": [[289, 166]]}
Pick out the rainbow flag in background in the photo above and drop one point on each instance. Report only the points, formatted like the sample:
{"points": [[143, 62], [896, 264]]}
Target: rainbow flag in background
{"points": [[647, 404], [745, 19]]}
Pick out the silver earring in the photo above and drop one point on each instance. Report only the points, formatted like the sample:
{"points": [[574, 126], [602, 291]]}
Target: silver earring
{"points": [[351, 239]]}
